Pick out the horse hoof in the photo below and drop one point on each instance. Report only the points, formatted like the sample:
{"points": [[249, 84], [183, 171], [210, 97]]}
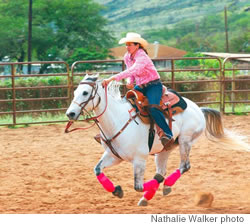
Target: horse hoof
{"points": [[139, 188], [166, 190], [143, 202], [118, 192]]}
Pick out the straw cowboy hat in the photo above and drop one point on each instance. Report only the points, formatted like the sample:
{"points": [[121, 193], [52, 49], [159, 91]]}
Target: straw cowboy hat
{"points": [[134, 37]]}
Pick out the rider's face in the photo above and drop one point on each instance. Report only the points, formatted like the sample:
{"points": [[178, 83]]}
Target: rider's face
{"points": [[132, 47]]}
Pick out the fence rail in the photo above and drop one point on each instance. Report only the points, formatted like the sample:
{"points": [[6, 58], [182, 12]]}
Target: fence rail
{"points": [[14, 75], [222, 93]]}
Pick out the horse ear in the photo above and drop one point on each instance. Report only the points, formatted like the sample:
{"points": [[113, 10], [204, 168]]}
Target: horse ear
{"points": [[86, 77], [91, 78], [95, 77]]}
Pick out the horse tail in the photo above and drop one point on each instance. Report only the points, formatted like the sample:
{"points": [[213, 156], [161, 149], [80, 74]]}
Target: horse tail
{"points": [[214, 124], [215, 131]]}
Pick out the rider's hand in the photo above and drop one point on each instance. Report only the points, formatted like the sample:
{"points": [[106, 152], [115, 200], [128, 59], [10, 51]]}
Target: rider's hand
{"points": [[130, 86], [105, 82]]}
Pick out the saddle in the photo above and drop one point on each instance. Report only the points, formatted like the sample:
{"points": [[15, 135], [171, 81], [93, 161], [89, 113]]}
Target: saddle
{"points": [[171, 104]]}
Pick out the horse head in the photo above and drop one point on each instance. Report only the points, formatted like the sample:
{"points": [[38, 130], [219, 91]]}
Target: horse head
{"points": [[85, 98]]}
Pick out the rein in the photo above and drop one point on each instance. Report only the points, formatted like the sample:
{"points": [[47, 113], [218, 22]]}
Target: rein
{"points": [[104, 138]]}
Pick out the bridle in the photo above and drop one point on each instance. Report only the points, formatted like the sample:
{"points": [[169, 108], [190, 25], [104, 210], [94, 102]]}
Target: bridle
{"points": [[83, 104], [91, 97]]}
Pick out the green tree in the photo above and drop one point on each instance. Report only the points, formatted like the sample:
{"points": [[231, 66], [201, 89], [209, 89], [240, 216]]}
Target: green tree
{"points": [[87, 54], [241, 43], [60, 27], [13, 32]]}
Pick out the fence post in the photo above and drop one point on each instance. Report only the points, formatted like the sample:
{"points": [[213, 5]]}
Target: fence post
{"points": [[223, 86], [172, 72], [123, 66], [69, 82], [13, 74], [233, 89]]}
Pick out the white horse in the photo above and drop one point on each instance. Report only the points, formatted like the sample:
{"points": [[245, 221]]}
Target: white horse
{"points": [[125, 136]]}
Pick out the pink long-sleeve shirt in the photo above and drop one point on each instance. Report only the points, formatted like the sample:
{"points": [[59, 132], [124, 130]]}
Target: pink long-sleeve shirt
{"points": [[139, 69]]}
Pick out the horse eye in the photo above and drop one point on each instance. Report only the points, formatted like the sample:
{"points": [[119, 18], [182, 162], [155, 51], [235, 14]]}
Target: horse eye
{"points": [[85, 93]]}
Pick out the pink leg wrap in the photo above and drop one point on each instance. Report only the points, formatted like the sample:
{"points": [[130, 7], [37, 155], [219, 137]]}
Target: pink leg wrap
{"points": [[150, 188], [150, 185], [171, 179], [106, 183], [149, 194]]}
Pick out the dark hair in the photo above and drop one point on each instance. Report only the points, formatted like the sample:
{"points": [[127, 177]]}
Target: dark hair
{"points": [[141, 47]]}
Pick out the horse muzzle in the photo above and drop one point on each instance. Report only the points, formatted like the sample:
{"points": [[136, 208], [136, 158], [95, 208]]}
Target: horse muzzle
{"points": [[72, 115]]}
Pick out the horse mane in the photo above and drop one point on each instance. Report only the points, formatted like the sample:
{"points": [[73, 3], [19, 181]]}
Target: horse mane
{"points": [[114, 90], [113, 87]]}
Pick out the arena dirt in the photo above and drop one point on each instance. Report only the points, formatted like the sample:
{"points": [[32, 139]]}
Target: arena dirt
{"points": [[43, 170]]}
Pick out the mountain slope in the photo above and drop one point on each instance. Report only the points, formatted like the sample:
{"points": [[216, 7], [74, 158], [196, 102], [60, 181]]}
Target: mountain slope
{"points": [[143, 15]]}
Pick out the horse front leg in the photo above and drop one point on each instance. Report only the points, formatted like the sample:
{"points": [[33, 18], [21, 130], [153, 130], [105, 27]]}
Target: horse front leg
{"points": [[139, 170], [149, 187], [107, 160]]}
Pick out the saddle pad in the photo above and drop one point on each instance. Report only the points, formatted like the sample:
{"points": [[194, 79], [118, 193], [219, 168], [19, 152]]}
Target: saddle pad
{"points": [[177, 103], [179, 106]]}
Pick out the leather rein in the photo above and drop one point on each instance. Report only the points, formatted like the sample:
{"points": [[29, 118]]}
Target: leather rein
{"points": [[95, 118]]}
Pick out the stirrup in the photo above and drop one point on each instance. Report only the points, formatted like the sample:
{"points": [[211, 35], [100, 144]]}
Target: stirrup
{"points": [[98, 138]]}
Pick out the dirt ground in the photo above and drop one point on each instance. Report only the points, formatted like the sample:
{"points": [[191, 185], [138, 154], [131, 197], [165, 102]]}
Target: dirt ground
{"points": [[43, 170]]}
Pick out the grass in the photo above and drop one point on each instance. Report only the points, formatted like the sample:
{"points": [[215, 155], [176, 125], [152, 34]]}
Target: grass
{"points": [[240, 109], [44, 117]]}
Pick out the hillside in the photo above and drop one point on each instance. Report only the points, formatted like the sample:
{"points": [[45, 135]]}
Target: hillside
{"points": [[144, 15]]}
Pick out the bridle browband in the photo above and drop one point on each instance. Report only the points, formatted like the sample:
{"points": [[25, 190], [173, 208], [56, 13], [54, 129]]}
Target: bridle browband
{"points": [[94, 118]]}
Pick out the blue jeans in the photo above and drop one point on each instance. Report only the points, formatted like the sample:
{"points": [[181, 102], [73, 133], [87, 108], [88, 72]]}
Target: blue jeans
{"points": [[153, 93]]}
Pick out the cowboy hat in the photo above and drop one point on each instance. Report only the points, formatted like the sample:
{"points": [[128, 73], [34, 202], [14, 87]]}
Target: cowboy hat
{"points": [[135, 38]]}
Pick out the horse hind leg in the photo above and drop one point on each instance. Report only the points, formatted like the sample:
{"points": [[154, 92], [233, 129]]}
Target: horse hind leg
{"points": [[107, 161], [161, 165], [185, 147], [185, 143]]}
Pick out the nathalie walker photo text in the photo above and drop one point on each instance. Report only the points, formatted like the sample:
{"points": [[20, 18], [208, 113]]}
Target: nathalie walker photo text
{"points": [[197, 219]]}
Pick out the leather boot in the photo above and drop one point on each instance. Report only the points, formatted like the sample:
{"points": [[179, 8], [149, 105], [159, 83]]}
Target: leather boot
{"points": [[98, 138], [165, 141]]}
